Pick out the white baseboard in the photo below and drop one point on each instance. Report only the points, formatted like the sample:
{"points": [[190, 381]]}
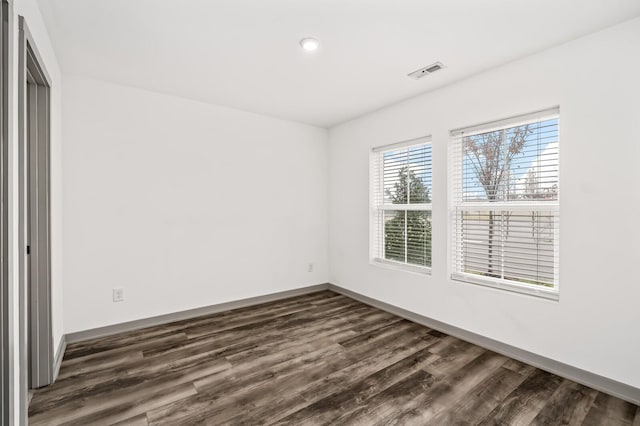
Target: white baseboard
{"points": [[57, 361]]}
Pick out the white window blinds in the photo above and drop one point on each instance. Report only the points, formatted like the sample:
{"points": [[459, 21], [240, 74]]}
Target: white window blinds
{"points": [[401, 203], [504, 210]]}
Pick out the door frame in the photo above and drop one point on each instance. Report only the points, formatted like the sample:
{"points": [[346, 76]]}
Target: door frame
{"points": [[34, 170], [6, 399]]}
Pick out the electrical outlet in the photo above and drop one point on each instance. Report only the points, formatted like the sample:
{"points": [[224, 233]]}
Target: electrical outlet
{"points": [[310, 267], [118, 295]]}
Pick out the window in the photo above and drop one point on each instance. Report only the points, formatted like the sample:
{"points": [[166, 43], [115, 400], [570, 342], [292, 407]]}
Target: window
{"points": [[504, 210], [401, 204]]}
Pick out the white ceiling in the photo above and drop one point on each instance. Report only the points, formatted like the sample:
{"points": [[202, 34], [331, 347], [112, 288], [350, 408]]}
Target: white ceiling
{"points": [[245, 53]]}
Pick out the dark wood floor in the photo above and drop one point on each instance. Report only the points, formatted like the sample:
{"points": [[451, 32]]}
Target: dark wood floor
{"points": [[316, 359]]}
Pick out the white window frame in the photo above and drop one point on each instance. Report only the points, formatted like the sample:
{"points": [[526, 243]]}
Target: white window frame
{"points": [[376, 186], [457, 203]]}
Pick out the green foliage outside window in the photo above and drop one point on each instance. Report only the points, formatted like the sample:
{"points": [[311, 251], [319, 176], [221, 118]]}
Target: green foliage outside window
{"points": [[412, 245]]}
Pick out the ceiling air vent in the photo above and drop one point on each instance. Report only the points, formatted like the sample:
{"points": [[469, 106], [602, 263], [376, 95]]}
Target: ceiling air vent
{"points": [[429, 69]]}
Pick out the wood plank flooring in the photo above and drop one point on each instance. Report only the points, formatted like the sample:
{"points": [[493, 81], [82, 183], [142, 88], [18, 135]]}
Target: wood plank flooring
{"points": [[316, 359]]}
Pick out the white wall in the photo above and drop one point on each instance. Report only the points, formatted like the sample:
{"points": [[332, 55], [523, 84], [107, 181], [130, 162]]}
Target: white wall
{"points": [[184, 204], [595, 81]]}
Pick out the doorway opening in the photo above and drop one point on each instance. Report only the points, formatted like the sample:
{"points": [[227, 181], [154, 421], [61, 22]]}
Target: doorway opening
{"points": [[34, 87]]}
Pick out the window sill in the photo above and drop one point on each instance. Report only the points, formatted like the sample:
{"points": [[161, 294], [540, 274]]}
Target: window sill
{"points": [[390, 264], [528, 289]]}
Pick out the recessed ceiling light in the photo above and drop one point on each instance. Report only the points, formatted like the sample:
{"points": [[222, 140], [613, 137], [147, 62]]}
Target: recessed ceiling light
{"points": [[309, 44]]}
